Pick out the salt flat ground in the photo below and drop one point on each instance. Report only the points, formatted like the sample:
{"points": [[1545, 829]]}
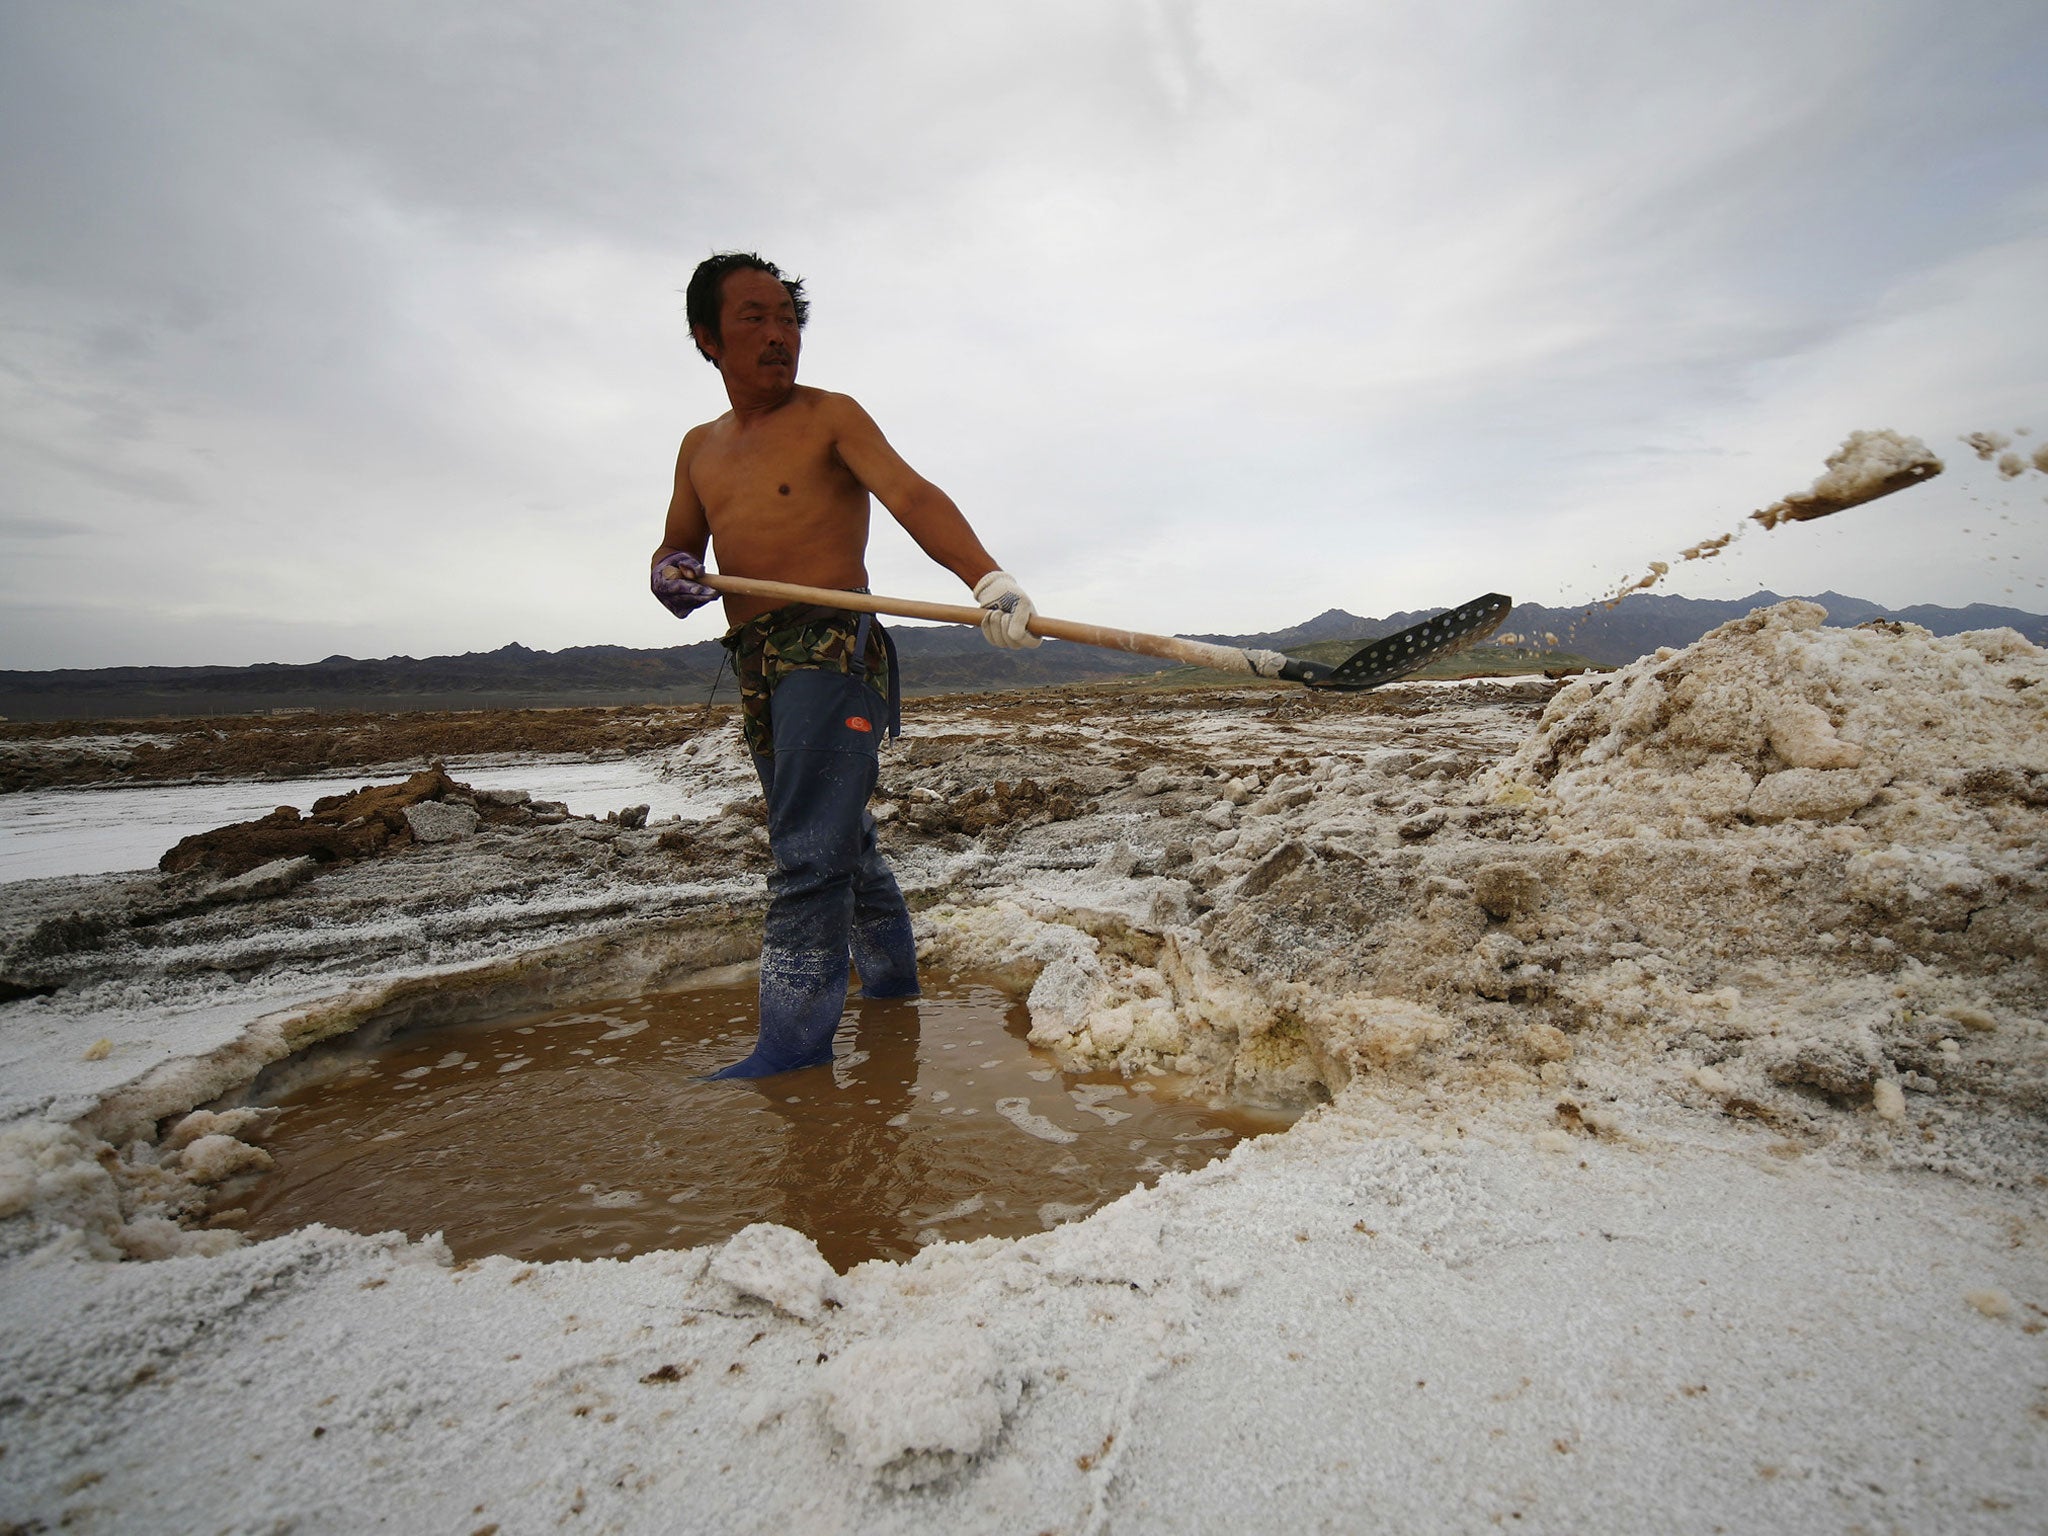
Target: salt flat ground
{"points": [[1681, 1055]]}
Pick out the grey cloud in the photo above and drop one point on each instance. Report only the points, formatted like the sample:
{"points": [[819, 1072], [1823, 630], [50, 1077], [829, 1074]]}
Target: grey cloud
{"points": [[27, 527], [1123, 276]]}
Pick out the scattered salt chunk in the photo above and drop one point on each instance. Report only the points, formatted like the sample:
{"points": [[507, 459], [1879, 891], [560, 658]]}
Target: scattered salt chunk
{"points": [[918, 1407], [965, 1207], [1019, 1113], [1053, 1212], [1992, 1303], [1888, 1099], [1221, 1277], [99, 1050], [1811, 794], [1088, 1098], [1804, 736], [1713, 1082], [1970, 1017], [242, 1124], [158, 1237], [212, 1159], [780, 1266]]}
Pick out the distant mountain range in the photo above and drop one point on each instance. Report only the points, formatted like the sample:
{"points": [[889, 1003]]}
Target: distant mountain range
{"points": [[1644, 621], [936, 659]]}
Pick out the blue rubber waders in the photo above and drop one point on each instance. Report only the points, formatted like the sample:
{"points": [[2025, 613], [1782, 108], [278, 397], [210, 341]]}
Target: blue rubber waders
{"points": [[832, 901]]}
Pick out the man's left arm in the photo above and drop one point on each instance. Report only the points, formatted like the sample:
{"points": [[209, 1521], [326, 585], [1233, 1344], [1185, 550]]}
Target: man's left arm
{"points": [[930, 517]]}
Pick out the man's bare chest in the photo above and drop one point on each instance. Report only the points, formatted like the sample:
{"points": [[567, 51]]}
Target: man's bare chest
{"points": [[781, 463]]}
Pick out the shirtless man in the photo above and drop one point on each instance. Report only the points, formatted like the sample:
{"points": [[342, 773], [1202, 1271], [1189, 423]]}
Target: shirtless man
{"points": [[780, 484]]}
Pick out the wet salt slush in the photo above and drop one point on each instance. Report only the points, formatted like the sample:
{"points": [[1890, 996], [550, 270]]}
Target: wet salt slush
{"points": [[586, 1134]]}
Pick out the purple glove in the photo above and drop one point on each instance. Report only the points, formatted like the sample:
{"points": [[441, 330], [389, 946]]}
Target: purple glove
{"points": [[673, 583]]}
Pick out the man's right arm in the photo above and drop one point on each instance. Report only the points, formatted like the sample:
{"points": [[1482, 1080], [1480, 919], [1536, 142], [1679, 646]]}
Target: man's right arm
{"points": [[687, 528], [684, 539]]}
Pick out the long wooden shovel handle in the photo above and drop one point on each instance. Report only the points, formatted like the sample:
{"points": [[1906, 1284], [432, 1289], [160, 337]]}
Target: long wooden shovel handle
{"points": [[1195, 653]]}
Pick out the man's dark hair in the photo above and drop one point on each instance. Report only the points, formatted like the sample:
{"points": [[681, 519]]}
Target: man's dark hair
{"points": [[707, 286]]}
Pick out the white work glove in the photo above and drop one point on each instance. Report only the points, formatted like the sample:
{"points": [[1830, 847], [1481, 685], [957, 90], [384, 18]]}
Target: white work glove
{"points": [[1007, 611]]}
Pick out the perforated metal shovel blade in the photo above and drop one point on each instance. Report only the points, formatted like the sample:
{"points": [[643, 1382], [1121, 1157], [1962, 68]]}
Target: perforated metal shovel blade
{"points": [[1397, 655]]}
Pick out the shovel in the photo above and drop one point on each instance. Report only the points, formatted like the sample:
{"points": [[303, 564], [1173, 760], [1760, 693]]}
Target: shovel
{"points": [[1382, 661]]}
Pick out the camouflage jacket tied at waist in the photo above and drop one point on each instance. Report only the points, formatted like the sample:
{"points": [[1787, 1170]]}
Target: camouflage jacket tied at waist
{"points": [[771, 645]]}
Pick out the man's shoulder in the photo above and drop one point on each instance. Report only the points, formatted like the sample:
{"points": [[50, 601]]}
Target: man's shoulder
{"points": [[811, 409], [829, 404]]}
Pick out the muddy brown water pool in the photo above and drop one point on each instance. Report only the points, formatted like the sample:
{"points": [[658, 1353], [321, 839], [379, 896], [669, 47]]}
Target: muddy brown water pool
{"points": [[586, 1133]]}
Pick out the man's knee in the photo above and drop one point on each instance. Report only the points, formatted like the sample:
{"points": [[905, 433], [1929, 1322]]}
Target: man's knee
{"points": [[814, 817]]}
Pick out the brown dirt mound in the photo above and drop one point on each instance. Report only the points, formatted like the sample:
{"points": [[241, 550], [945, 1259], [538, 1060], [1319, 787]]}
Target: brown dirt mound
{"points": [[341, 828]]}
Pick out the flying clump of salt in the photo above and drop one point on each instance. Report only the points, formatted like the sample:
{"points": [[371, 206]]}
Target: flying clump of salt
{"points": [[1996, 448], [1867, 465]]}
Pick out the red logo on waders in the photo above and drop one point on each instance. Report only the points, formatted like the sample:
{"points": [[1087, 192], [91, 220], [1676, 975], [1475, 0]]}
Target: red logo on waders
{"points": [[855, 723]]}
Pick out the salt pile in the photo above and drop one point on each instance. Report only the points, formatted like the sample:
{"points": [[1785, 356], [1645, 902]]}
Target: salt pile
{"points": [[1828, 842], [1790, 869]]}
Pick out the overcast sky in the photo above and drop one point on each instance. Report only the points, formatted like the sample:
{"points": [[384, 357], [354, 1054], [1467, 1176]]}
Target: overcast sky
{"points": [[357, 327]]}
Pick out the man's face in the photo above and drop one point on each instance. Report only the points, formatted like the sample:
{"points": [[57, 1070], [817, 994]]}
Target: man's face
{"points": [[758, 343]]}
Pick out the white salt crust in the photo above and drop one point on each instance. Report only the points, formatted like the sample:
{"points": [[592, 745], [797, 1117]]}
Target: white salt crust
{"points": [[1678, 1171]]}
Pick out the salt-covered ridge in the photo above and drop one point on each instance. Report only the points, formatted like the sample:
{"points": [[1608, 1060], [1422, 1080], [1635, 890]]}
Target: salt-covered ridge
{"points": [[1718, 986]]}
